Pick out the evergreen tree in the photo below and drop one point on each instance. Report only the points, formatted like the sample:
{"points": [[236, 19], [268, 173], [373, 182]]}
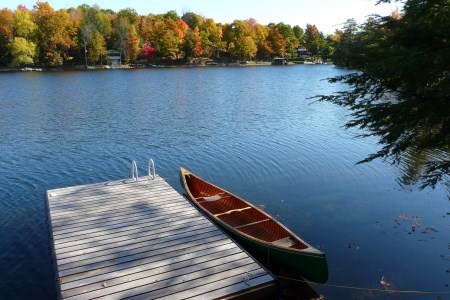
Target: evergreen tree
{"points": [[402, 94]]}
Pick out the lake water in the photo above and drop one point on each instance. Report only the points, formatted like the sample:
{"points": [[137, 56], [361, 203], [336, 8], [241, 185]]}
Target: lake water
{"points": [[251, 130]]}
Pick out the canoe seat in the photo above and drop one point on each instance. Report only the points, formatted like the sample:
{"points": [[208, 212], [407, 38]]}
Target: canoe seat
{"points": [[212, 198], [285, 242], [252, 223], [232, 210]]}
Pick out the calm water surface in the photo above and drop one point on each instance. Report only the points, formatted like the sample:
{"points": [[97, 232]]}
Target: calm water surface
{"points": [[251, 130]]}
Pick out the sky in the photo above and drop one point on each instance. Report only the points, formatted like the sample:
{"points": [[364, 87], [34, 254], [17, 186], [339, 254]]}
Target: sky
{"points": [[327, 15]]}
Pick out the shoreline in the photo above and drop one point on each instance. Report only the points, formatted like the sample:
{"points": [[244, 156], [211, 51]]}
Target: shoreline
{"points": [[140, 66]]}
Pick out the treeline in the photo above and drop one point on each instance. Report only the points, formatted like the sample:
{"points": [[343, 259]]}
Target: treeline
{"points": [[44, 37]]}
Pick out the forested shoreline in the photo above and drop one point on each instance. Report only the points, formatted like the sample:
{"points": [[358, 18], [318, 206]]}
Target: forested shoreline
{"points": [[44, 37]]}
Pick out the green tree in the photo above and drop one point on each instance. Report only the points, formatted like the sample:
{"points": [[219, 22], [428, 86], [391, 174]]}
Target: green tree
{"points": [[95, 27], [172, 14], [86, 32], [128, 14], [244, 48], [328, 47], [227, 36], [97, 48], [299, 34], [401, 94], [23, 24], [314, 40], [22, 52], [291, 41], [122, 31], [171, 39], [343, 40], [211, 35], [239, 39], [97, 18], [192, 20]]}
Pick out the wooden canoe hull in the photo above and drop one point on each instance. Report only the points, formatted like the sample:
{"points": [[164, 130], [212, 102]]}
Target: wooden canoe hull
{"points": [[281, 262], [308, 263]]}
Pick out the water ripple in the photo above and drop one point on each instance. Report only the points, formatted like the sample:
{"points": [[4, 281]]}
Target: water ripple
{"points": [[253, 131]]}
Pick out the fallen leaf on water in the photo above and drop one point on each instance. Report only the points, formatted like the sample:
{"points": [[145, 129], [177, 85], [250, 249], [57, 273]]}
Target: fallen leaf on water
{"points": [[429, 229], [403, 217], [385, 283]]}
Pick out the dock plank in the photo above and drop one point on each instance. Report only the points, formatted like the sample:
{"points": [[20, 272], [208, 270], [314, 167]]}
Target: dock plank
{"points": [[166, 271], [145, 239], [173, 253], [135, 231], [113, 198], [135, 235], [125, 248], [69, 264], [142, 239], [109, 226], [130, 189], [95, 266], [114, 224], [110, 218], [167, 283], [80, 210]]}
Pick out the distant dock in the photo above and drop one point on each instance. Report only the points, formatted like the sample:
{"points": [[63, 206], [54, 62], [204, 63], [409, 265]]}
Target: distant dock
{"points": [[143, 240]]}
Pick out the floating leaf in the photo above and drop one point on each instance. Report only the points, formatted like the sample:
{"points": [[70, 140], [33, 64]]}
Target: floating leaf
{"points": [[385, 283], [429, 229]]}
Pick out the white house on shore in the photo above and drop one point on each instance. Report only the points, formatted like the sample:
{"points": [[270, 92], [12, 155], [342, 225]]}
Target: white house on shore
{"points": [[114, 58], [302, 52]]}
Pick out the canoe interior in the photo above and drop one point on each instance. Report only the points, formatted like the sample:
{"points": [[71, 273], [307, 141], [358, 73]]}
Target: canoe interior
{"points": [[240, 215]]}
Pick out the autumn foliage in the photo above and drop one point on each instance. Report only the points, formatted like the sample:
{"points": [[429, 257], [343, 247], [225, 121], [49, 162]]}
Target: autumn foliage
{"points": [[148, 51], [42, 36]]}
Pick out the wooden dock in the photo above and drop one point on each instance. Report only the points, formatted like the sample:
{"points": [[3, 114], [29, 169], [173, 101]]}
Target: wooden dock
{"points": [[143, 240]]}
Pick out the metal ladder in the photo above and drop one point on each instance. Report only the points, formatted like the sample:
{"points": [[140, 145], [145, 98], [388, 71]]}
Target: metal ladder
{"points": [[151, 170]]}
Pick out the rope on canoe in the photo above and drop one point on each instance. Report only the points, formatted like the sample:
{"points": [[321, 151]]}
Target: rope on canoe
{"points": [[393, 291]]}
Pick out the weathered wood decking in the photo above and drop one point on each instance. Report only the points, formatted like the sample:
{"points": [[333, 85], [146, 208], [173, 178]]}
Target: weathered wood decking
{"points": [[143, 240]]}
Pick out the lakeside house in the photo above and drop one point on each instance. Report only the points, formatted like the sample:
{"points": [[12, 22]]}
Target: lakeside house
{"points": [[302, 52], [114, 58]]}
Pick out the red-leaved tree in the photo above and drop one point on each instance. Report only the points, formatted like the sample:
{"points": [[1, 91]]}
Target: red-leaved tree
{"points": [[148, 51]]}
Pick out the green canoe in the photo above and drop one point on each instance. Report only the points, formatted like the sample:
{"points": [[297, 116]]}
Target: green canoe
{"points": [[275, 246]]}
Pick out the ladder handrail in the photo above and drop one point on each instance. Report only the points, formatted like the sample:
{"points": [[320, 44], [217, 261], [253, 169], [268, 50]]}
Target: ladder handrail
{"points": [[151, 169], [134, 171]]}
